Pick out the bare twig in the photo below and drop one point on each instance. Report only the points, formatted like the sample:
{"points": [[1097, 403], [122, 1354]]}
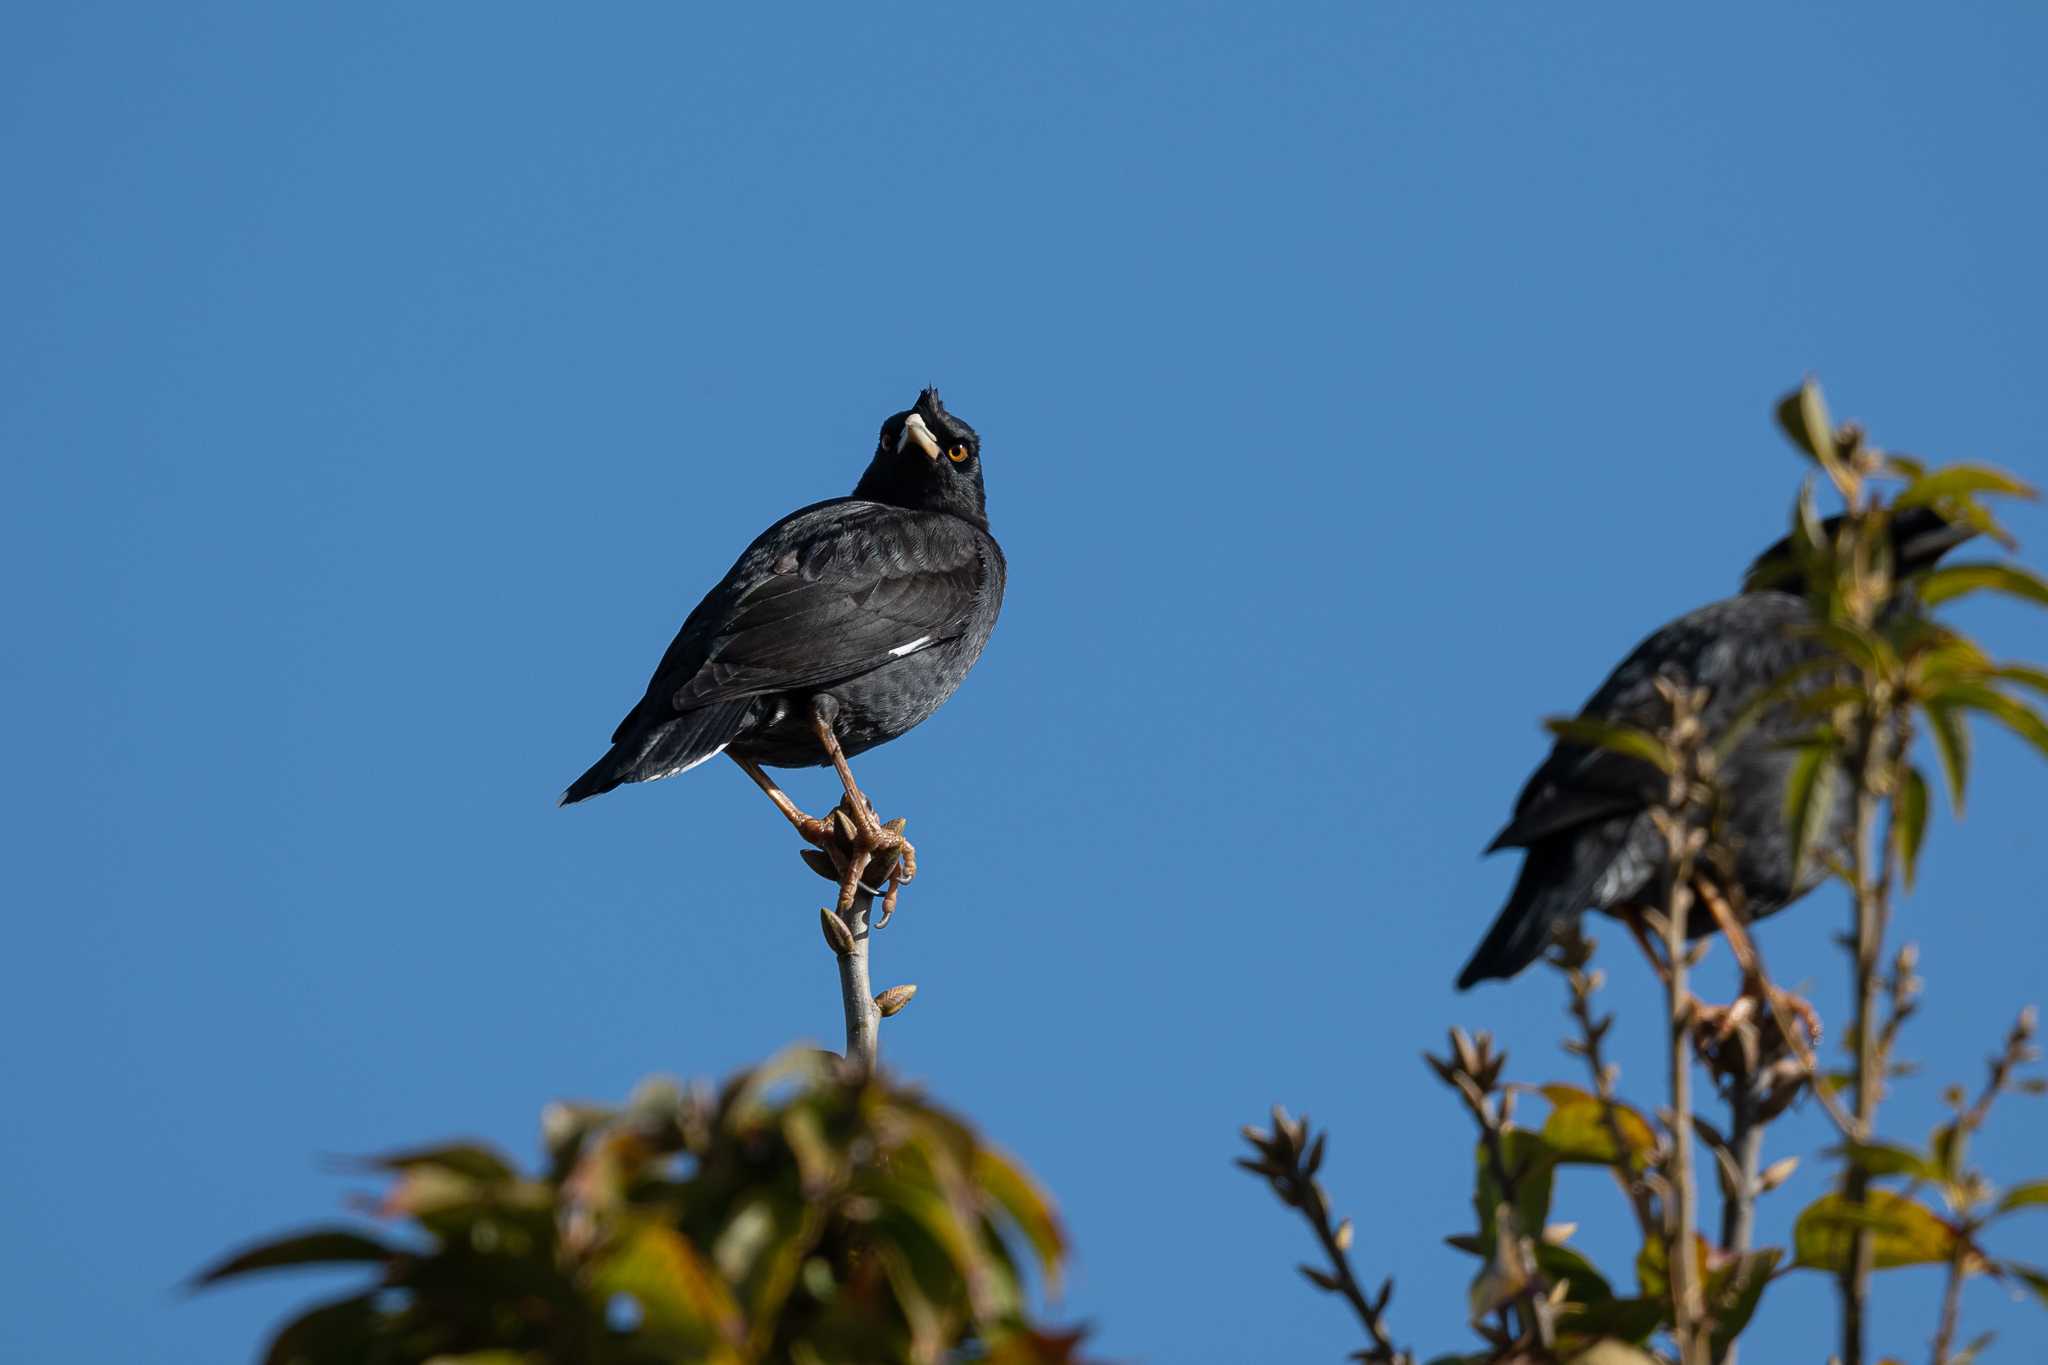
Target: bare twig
{"points": [[2019, 1050], [1866, 946], [1473, 1068], [863, 1018], [1684, 838], [1951, 1305], [1572, 955], [1288, 1160], [848, 932], [1746, 1141]]}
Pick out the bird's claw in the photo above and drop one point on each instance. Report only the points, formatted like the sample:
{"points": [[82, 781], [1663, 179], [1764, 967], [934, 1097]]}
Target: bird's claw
{"points": [[857, 843], [1714, 1026]]}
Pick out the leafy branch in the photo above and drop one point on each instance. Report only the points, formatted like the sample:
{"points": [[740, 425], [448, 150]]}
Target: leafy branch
{"points": [[801, 1214]]}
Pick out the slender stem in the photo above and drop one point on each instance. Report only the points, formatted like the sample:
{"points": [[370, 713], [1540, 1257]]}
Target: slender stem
{"points": [[1537, 1315], [1746, 1140], [863, 1016], [1867, 947], [1592, 1036], [1951, 1304], [1738, 1214], [1535, 1308], [1688, 1299], [1288, 1158], [2017, 1052], [1340, 1265]]}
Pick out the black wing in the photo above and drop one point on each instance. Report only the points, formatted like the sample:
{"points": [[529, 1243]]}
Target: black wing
{"points": [[1734, 648], [828, 593]]}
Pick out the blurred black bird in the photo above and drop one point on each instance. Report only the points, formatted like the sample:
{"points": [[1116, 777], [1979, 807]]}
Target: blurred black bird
{"points": [[1583, 816], [842, 626]]}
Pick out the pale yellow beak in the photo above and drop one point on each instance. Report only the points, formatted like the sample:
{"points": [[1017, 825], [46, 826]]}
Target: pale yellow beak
{"points": [[914, 429]]}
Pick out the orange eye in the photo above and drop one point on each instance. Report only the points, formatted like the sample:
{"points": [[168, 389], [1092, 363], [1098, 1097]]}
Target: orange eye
{"points": [[958, 454]]}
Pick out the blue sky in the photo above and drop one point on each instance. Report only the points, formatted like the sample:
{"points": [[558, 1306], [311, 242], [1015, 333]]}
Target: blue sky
{"points": [[383, 384]]}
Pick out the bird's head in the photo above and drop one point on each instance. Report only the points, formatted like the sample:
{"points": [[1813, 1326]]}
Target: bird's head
{"points": [[927, 458], [1919, 536]]}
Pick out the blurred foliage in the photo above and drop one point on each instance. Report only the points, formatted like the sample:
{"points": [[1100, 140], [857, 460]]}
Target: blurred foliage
{"points": [[797, 1215], [1885, 675]]}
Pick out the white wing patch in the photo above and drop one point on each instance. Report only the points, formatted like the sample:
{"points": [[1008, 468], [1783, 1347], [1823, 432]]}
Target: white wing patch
{"points": [[692, 764], [915, 645]]}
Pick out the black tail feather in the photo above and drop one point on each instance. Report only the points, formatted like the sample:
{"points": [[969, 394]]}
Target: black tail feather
{"points": [[675, 745], [1546, 894]]}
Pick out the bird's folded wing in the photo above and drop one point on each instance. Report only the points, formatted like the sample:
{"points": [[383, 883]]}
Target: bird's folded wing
{"points": [[860, 594], [1733, 648], [1578, 786]]}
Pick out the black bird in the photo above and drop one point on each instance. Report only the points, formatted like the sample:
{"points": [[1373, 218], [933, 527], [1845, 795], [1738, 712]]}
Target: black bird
{"points": [[1582, 816], [842, 626]]}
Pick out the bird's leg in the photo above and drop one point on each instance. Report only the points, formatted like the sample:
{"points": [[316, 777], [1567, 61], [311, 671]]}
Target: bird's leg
{"points": [[1780, 1003], [867, 836], [835, 834], [810, 827], [1720, 1020], [1634, 920]]}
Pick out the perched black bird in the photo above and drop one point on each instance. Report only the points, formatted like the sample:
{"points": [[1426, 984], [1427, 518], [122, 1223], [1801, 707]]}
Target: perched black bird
{"points": [[842, 626], [1582, 816]]}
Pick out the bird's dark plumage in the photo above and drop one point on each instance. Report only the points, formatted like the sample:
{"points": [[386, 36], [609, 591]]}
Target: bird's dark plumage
{"points": [[880, 602], [1582, 816]]}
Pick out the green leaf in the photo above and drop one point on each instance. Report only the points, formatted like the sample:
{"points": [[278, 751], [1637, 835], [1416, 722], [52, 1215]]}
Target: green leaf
{"points": [[1909, 821], [1622, 739], [1864, 648], [1653, 1265], [2033, 1194], [1945, 1144], [1803, 415], [2010, 712], [1530, 1165], [470, 1160], [1975, 1347], [684, 1305], [1952, 745], [1888, 1158], [1823, 701], [1027, 1207], [1585, 1282], [1625, 1319], [1959, 480], [1940, 654], [1966, 510], [1734, 1291], [1577, 1130], [2026, 675], [1904, 1231], [322, 1246], [1956, 580], [1809, 797], [2032, 1277], [343, 1330]]}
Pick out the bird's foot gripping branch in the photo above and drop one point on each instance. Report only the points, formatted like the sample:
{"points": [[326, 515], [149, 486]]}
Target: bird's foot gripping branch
{"points": [[848, 931], [864, 853]]}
